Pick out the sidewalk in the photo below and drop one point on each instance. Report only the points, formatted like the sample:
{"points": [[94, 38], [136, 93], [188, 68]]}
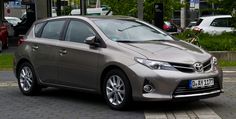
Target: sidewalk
{"points": [[225, 69]]}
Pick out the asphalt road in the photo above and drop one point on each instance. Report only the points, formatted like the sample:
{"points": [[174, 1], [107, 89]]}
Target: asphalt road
{"points": [[55, 103]]}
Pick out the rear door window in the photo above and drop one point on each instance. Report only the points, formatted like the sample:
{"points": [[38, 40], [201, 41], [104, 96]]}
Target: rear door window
{"points": [[222, 22], [37, 29], [53, 29]]}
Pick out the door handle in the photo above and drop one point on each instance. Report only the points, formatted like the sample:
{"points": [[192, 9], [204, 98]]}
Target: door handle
{"points": [[35, 47], [63, 51]]}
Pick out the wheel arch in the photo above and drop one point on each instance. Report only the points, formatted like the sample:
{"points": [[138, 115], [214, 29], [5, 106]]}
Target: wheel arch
{"points": [[19, 63], [106, 70]]}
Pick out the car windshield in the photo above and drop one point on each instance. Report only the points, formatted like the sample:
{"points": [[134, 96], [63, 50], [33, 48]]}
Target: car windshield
{"points": [[130, 30]]}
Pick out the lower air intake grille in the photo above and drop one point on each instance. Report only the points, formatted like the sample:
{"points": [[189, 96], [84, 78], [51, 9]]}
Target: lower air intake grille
{"points": [[184, 89]]}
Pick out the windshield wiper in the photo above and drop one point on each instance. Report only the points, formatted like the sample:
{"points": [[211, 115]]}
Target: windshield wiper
{"points": [[126, 41], [129, 28], [160, 40]]}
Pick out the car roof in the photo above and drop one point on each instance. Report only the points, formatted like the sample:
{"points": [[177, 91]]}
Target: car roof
{"points": [[207, 20], [111, 17], [216, 16], [88, 18]]}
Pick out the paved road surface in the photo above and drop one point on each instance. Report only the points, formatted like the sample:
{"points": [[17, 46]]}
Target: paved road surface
{"points": [[66, 104]]}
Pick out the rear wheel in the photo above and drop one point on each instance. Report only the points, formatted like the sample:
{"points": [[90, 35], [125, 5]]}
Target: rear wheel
{"points": [[117, 89], [27, 81]]}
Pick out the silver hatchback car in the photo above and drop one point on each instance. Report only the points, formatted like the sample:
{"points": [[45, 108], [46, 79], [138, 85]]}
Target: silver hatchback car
{"points": [[122, 58]]}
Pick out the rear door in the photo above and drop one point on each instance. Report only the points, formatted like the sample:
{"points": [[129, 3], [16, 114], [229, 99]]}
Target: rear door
{"points": [[220, 25], [45, 50], [78, 61]]}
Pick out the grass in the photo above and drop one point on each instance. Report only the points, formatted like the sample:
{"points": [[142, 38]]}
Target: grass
{"points": [[6, 61]]}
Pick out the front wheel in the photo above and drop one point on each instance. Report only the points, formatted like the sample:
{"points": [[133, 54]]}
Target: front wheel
{"points": [[27, 80], [117, 89]]}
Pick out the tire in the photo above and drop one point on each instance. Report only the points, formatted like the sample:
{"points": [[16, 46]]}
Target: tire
{"points": [[27, 80], [117, 89]]}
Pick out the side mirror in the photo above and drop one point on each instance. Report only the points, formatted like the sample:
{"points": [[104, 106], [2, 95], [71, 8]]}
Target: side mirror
{"points": [[92, 40]]}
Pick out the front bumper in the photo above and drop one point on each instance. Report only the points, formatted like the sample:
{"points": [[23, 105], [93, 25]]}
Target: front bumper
{"points": [[166, 82]]}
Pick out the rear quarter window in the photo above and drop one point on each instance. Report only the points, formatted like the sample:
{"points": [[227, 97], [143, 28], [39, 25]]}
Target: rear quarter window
{"points": [[222, 22], [37, 29], [199, 22]]}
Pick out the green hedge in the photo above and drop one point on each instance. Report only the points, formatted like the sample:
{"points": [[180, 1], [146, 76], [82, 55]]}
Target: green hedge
{"points": [[223, 42]]}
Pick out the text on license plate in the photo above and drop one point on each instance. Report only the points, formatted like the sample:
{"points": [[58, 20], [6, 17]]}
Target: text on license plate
{"points": [[201, 83]]}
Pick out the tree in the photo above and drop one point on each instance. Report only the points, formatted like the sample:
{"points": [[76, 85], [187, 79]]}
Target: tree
{"points": [[122, 7], [229, 6], [169, 7], [129, 7], [222, 7]]}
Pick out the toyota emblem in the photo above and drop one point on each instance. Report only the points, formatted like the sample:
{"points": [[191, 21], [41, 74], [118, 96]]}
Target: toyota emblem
{"points": [[198, 67]]}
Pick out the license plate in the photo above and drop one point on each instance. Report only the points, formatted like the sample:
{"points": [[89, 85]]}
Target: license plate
{"points": [[201, 83]]}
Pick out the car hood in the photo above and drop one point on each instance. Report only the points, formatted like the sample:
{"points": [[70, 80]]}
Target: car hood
{"points": [[169, 51]]}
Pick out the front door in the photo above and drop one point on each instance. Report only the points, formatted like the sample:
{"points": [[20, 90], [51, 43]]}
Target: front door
{"points": [[78, 61]]}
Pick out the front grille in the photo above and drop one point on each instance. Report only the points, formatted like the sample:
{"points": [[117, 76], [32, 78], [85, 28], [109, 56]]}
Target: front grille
{"points": [[207, 65], [184, 89], [187, 68], [183, 67]]}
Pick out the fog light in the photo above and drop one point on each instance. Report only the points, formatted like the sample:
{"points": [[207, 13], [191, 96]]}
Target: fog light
{"points": [[148, 88]]}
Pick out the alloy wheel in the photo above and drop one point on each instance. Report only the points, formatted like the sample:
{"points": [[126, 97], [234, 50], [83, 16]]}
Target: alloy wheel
{"points": [[115, 90], [26, 78]]}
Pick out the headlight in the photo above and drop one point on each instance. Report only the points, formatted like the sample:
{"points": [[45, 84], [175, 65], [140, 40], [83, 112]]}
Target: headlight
{"points": [[155, 65], [214, 61]]}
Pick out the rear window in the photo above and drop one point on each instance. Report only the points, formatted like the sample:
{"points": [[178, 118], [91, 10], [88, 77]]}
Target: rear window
{"points": [[199, 22]]}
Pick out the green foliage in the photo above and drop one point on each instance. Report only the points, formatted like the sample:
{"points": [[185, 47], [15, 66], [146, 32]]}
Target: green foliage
{"points": [[223, 7], [66, 10], [223, 42], [122, 7], [129, 7], [169, 7], [228, 5], [234, 20], [223, 63]]}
